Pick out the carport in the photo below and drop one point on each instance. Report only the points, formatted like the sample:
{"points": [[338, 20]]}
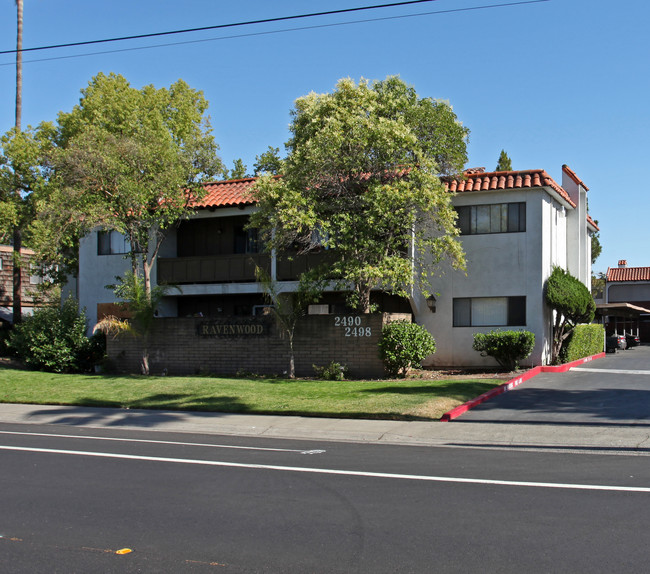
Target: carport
{"points": [[621, 318]]}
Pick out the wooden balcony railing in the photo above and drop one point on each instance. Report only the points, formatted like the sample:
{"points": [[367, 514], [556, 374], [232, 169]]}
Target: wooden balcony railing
{"points": [[291, 269], [234, 268], [212, 269]]}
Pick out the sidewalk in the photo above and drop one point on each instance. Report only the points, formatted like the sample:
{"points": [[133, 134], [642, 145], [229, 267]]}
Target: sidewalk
{"points": [[608, 437]]}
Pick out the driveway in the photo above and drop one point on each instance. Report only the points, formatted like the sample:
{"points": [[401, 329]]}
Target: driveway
{"points": [[614, 390]]}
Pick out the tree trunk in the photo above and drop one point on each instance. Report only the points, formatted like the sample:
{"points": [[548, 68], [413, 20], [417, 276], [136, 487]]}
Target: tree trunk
{"points": [[292, 363], [144, 363], [19, 65], [17, 277], [364, 299], [17, 269]]}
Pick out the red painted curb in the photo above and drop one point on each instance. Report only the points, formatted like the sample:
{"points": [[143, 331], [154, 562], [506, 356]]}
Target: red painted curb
{"points": [[512, 384]]}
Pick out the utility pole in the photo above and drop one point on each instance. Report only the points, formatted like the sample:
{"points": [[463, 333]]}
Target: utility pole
{"points": [[18, 237]]}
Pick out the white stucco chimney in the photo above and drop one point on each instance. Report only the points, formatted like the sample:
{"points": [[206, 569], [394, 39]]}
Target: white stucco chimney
{"points": [[622, 263]]}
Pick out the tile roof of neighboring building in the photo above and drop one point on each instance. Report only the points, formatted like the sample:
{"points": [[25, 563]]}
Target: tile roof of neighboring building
{"points": [[628, 274], [232, 193], [477, 180]]}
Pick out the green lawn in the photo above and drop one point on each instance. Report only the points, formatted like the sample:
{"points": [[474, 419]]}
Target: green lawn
{"points": [[407, 399]]}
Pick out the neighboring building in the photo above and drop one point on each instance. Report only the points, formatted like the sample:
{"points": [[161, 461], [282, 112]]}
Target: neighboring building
{"points": [[515, 227], [29, 282], [629, 285]]}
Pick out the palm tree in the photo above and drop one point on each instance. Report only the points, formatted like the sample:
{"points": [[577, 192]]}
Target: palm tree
{"points": [[18, 237]]}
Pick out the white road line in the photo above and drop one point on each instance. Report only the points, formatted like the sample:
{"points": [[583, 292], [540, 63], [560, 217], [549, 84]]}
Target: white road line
{"points": [[162, 442], [339, 472], [616, 371]]}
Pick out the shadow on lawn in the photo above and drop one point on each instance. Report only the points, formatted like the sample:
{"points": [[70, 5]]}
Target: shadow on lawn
{"points": [[146, 412], [446, 389]]}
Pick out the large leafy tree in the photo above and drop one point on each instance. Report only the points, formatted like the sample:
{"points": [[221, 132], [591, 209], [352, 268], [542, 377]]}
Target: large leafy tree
{"points": [[128, 160], [269, 162], [362, 178], [572, 303], [23, 176]]}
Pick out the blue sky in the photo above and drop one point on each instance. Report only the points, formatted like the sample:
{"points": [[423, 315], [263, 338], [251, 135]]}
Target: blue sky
{"points": [[562, 81]]}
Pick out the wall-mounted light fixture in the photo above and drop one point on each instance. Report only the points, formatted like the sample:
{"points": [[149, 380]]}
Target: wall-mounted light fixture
{"points": [[431, 303]]}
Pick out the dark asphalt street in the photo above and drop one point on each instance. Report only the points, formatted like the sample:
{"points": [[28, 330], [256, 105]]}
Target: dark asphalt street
{"points": [[199, 503]]}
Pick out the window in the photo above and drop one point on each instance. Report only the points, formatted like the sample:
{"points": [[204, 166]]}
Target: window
{"points": [[111, 243], [246, 241], [35, 277], [495, 218], [489, 311]]}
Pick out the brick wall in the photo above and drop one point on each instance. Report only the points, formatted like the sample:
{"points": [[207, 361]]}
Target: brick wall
{"points": [[194, 345]]}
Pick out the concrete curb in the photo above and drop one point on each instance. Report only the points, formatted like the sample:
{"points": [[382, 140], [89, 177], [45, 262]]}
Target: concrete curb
{"points": [[513, 384]]}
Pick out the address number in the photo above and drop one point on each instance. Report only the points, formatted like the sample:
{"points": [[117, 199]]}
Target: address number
{"points": [[358, 331]]}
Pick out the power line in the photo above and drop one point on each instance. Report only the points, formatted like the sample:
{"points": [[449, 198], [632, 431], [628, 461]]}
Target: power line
{"points": [[302, 28], [221, 26]]}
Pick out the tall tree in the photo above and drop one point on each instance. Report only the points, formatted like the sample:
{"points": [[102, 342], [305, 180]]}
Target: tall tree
{"points": [[505, 163], [596, 247], [129, 160], [19, 64], [239, 170], [269, 163], [17, 234], [362, 179]]}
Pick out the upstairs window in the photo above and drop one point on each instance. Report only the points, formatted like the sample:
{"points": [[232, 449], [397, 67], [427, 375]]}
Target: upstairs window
{"points": [[493, 218], [246, 241], [111, 243], [490, 311]]}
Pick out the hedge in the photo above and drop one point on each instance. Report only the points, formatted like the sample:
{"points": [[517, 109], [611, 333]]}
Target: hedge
{"points": [[586, 340]]}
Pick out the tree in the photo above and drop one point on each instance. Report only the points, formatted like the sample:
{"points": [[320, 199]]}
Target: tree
{"points": [[268, 163], [19, 63], [128, 160], [141, 306], [17, 230], [22, 177], [362, 179], [572, 303], [238, 171], [596, 247], [505, 163], [289, 308]]}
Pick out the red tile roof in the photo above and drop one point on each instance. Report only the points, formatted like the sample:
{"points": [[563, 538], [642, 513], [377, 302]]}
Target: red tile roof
{"points": [[230, 193], [572, 174], [476, 180], [628, 274], [237, 192]]}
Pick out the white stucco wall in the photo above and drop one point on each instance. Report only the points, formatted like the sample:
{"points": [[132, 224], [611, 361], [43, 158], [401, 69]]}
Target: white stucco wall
{"points": [[95, 272], [499, 265]]}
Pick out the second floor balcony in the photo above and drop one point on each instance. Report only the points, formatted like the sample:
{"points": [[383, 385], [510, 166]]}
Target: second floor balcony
{"points": [[235, 268]]}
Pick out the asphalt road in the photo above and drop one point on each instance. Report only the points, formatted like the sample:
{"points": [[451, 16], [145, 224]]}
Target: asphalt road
{"points": [[612, 391], [72, 497]]}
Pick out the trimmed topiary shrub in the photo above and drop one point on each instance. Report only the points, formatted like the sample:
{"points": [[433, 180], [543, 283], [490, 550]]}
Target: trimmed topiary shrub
{"points": [[403, 345], [507, 347], [585, 340], [54, 339]]}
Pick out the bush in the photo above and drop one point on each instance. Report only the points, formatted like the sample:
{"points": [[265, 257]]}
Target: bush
{"points": [[507, 347], [403, 345], [5, 329], [332, 372], [585, 340], [54, 339]]}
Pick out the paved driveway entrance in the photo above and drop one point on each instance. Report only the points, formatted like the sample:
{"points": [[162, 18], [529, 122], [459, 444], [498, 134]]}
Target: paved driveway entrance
{"points": [[614, 390]]}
